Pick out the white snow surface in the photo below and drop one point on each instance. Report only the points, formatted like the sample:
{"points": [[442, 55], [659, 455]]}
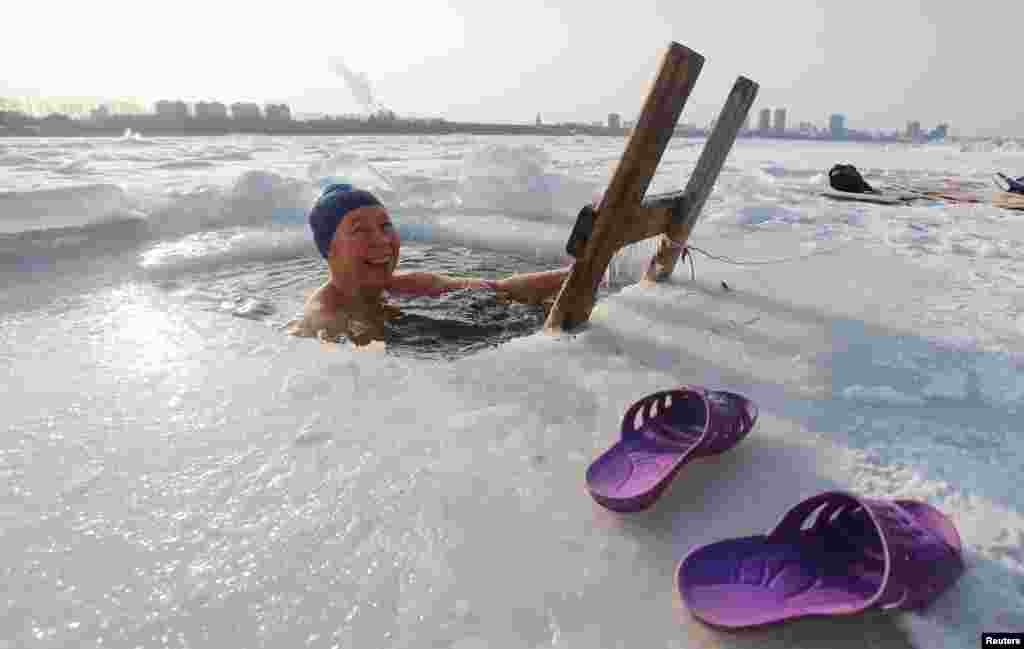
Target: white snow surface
{"points": [[178, 477]]}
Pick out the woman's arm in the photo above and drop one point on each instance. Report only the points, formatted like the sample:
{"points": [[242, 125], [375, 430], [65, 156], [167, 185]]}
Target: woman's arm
{"points": [[531, 288], [433, 284]]}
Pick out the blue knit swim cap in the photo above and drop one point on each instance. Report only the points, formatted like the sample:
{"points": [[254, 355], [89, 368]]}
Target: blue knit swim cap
{"points": [[334, 203]]}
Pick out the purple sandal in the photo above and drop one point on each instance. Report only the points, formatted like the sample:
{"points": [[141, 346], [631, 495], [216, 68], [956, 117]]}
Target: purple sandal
{"points": [[675, 426], [856, 554]]}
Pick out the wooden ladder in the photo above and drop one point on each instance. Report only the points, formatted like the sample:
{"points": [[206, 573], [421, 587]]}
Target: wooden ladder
{"points": [[625, 215]]}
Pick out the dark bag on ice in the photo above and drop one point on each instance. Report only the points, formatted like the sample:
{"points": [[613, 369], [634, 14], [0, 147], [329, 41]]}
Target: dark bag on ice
{"points": [[1015, 185], [846, 178]]}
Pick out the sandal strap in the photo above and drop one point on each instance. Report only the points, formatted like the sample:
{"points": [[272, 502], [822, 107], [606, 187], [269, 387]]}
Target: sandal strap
{"points": [[918, 563], [732, 416], [728, 418], [652, 409]]}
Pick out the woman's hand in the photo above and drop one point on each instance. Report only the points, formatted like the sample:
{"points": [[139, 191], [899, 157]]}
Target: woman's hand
{"points": [[532, 288]]}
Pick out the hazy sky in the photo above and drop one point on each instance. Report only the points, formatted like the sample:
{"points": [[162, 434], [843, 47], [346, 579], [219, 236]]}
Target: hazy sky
{"points": [[881, 63]]}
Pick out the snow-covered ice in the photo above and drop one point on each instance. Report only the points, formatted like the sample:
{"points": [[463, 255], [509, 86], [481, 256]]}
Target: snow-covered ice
{"points": [[176, 476]]}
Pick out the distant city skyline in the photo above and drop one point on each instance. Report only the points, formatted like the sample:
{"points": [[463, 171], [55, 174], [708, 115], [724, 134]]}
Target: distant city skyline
{"points": [[770, 119], [59, 104], [881, 64]]}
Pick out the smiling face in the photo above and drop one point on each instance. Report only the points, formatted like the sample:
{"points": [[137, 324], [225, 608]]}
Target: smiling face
{"points": [[364, 251]]}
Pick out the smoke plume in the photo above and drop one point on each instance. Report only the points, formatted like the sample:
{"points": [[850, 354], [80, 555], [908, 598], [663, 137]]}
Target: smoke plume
{"points": [[358, 84]]}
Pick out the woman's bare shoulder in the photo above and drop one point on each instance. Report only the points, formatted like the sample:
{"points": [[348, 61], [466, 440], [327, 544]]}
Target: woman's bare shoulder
{"points": [[318, 318]]}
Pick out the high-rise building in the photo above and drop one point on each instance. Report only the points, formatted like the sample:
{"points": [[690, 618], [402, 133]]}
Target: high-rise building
{"points": [[914, 129], [764, 122], [538, 120], [614, 121], [245, 110], [780, 121], [211, 110], [278, 112], [837, 125], [172, 109]]}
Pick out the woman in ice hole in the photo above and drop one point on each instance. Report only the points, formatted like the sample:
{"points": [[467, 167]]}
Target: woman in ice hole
{"points": [[356, 237]]}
